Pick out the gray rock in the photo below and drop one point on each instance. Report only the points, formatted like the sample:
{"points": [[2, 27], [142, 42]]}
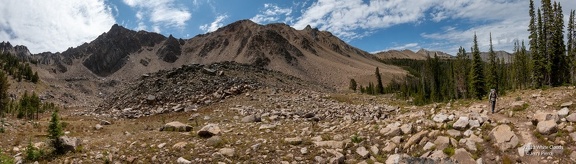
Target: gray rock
{"points": [[442, 142], [461, 123], [227, 152], [214, 141], [415, 139], [104, 122], [331, 144], [293, 141], [390, 146], [562, 113], [503, 137], [251, 118], [391, 130], [407, 129], [573, 136], [440, 118], [544, 116], [428, 146], [266, 126], [98, 127], [463, 156], [176, 126], [181, 160], [547, 127], [209, 131], [566, 104], [474, 123], [362, 152], [70, 143], [394, 159], [571, 117], [454, 133]]}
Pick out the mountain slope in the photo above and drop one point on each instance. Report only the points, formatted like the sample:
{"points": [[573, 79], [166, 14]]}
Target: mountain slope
{"points": [[422, 54], [309, 54]]}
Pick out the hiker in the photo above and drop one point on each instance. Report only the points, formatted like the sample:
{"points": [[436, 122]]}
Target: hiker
{"points": [[492, 97]]}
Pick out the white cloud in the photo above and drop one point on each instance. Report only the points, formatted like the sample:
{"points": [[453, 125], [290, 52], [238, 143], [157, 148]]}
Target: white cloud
{"points": [[410, 46], [214, 25], [350, 19], [53, 25], [272, 13], [161, 13], [346, 18]]}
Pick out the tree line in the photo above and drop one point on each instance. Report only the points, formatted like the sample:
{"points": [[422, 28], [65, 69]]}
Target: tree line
{"points": [[548, 62], [18, 69]]}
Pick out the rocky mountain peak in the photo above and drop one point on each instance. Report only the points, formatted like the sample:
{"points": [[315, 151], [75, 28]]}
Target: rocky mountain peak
{"points": [[19, 51]]}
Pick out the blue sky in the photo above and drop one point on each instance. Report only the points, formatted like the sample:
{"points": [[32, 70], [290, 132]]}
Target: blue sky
{"points": [[371, 25]]}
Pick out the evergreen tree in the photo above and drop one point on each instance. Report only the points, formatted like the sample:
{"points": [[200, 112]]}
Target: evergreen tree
{"points": [[35, 77], [379, 85], [462, 68], [353, 85], [477, 84], [557, 49], [571, 47], [4, 99], [54, 133], [538, 57], [492, 74]]}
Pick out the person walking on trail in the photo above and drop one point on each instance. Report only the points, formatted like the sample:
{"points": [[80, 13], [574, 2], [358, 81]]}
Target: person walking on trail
{"points": [[492, 97]]}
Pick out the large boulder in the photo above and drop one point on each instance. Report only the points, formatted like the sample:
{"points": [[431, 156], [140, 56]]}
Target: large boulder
{"points": [[176, 126], [503, 137], [209, 131], [391, 130], [251, 118], [415, 139], [563, 112], [544, 116], [69, 143], [547, 127], [461, 123], [571, 117], [440, 118], [442, 142], [463, 156]]}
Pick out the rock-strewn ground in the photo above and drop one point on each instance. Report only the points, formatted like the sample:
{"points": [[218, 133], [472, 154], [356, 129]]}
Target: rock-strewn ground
{"points": [[302, 126]]}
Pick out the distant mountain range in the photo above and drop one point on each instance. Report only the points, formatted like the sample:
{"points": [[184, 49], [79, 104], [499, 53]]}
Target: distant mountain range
{"points": [[422, 54], [121, 53]]}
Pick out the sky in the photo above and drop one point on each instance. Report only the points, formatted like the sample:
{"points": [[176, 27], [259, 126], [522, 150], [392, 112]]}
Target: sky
{"points": [[371, 25]]}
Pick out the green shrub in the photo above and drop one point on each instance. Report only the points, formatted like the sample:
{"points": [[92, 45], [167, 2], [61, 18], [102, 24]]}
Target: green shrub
{"points": [[33, 153], [449, 151], [356, 139], [5, 159]]}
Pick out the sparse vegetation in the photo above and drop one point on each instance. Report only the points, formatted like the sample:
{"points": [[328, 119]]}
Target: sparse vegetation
{"points": [[356, 139], [33, 153], [449, 151], [54, 132], [5, 159]]}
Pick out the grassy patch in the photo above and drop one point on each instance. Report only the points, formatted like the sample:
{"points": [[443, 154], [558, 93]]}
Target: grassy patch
{"points": [[356, 139], [5, 159], [521, 108], [541, 138], [449, 151]]}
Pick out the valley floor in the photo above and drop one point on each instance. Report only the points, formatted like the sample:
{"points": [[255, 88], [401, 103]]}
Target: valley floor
{"points": [[300, 126]]}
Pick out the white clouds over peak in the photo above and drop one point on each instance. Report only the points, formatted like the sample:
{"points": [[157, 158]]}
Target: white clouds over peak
{"points": [[214, 25], [161, 13], [273, 14], [53, 25]]}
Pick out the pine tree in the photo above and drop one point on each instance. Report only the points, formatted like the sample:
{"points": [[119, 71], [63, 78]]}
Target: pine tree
{"points": [[461, 73], [353, 85], [570, 46], [379, 85], [35, 77], [477, 84], [538, 57], [4, 99], [54, 133], [492, 75], [557, 51]]}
